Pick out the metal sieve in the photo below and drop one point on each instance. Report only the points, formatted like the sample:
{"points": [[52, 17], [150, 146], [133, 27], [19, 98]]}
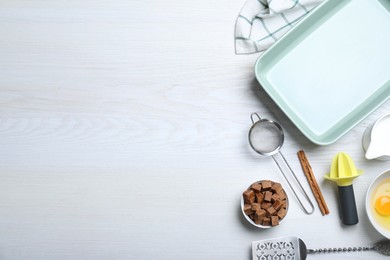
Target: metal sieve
{"points": [[266, 137]]}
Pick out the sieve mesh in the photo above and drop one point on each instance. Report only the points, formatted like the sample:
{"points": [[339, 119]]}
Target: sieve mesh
{"points": [[266, 137]]}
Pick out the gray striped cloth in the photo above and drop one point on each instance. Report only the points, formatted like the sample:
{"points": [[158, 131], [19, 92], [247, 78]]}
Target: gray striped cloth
{"points": [[262, 22]]}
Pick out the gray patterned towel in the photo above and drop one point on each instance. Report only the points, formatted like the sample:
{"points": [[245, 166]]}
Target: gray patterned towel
{"points": [[262, 22]]}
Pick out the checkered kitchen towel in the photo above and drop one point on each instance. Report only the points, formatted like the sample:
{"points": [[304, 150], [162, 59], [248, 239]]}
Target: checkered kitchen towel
{"points": [[262, 22]]}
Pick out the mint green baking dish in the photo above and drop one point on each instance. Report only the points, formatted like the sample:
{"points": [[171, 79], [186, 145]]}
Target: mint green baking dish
{"points": [[332, 69]]}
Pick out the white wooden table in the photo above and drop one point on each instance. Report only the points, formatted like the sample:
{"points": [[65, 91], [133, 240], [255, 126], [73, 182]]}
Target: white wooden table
{"points": [[123, 135]]}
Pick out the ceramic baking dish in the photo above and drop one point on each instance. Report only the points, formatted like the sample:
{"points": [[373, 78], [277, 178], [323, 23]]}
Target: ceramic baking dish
{"points": [[332, 69]]}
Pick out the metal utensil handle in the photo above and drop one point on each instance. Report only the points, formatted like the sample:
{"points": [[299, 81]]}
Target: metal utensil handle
{"points": [[339, 249], [292, 188], [257, 115]]}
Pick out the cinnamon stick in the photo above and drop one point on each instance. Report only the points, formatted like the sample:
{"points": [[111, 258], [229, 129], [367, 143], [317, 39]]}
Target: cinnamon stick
{"points": [[312, 182]]}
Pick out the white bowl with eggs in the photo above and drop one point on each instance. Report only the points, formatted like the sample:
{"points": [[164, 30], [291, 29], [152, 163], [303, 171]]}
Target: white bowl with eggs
{"points": [[378, 203]]}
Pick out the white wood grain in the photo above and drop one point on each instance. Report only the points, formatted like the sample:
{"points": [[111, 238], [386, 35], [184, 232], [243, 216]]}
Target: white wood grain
{"points": [[123, 135]]}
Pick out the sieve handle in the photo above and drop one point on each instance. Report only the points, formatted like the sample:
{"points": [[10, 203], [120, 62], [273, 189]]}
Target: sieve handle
{"points": [[297, 181], [255, 115]]}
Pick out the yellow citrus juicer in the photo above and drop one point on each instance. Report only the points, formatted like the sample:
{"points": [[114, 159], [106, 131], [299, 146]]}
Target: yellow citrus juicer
{"points": [[343, 172]]}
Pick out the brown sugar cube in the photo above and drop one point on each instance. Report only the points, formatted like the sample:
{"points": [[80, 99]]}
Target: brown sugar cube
{"points": [[266, 185], [284, 204], [249, 196], [266, 205], [268, 196], [256, 187], [259, 215], [251, 216], [274, 221], [277, 187], [266, 221], [277, 204], [256, 207], [274, 197], [248, 209], [257, 220], [271, 211], [282, 195], [259, 197], [282, 213]]}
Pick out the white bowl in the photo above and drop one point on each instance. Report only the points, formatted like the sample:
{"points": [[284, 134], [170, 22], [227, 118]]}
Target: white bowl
{"points": [[370, 208], [259, 225]]}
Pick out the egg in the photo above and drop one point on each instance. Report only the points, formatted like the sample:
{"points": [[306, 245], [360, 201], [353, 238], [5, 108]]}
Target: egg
{"points": [[381, 203]]}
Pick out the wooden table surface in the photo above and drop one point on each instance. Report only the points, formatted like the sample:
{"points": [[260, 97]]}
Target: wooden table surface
{"points": [[123, 135]]}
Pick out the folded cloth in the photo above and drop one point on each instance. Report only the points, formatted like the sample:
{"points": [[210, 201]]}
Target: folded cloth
{"points": [[262, 22]]}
